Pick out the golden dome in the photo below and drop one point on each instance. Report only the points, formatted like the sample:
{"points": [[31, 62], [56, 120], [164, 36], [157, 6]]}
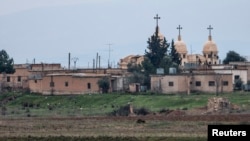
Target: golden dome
{"points": [[210, 46], [180, 46]]}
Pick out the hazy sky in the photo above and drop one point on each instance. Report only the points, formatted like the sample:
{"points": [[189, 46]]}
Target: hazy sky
{"points": [[48, 30]]}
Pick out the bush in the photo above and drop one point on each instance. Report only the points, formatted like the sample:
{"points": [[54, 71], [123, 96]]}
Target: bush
{"points": [[166, 111], [125, 111], [142, 111], [122, 111]]}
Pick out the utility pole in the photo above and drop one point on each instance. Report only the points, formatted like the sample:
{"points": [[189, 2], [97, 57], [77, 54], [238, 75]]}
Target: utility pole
{"points": [[109, 44], [74, 59]]}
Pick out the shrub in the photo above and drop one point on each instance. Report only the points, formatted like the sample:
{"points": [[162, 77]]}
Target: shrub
{"points": [[142, 111], [166, 111], [122, 111], [125, 111], [140, 121]]}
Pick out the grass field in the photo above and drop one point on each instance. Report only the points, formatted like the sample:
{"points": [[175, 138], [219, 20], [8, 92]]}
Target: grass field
{"points": [[17, 104], [29, 117]]}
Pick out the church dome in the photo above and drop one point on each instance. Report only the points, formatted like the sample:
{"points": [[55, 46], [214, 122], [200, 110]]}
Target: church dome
{"points": [[180, 46], [160, 35], [209, 47]]}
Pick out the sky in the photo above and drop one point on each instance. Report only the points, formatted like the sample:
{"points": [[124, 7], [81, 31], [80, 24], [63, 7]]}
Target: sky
{"points": [[48, 30]]}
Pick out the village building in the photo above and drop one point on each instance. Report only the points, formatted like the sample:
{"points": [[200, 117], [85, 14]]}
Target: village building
{"points": [[18, 80], [192, 82], [199, 73], [66, 83]]}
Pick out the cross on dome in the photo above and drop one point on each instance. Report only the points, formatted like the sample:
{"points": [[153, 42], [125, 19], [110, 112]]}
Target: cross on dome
{"points": [[210, 28], [157, 18], [179, 28]]}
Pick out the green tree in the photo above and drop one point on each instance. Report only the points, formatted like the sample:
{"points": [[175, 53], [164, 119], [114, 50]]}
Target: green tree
{"points": [[238, 83], [233, 56], [104, 84], [157, 49], [175, 56], [6, 63]]}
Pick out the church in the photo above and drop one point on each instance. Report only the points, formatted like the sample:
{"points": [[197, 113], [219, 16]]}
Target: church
{"points": [[209, 54]]}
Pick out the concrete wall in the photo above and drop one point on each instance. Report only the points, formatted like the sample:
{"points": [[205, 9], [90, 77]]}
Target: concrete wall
{"points": [[243, 73], [19, 79], [75, 84], [186, 82]]}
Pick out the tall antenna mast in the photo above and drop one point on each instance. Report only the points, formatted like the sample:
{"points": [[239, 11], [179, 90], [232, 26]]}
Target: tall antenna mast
{"points": [[109, 44]]}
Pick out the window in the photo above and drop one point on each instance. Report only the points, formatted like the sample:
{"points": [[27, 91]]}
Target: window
{"points": [[190, 82], [211, 83], [52, 84], [19, 79], [66, 84], [35, 81], [89, 85], [236, 77], [198, 83], [225, 83], [170, 83], [184, 56], [8, 78]]}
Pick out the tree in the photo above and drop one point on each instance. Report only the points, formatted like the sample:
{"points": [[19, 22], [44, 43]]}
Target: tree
{"points": [[104, 84], [238, 83], [6, 63], [157, 49], [233, 56], [175, 56]]}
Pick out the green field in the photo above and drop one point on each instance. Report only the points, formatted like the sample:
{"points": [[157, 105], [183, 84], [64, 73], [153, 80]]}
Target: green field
{"points": [[19, 105], [28, 117]]}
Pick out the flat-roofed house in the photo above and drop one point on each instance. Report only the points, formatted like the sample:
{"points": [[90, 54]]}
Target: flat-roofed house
{"points": [[66, 83], [186, 83]]}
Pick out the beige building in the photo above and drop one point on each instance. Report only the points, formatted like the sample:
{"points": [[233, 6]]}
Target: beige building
{"points": [[63, 83], [242, 65], [23, 72], [17, 80], [186, 83], [131, 59]]}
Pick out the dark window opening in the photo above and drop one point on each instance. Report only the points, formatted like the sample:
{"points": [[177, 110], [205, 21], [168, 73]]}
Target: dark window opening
{"points": [[225, 83], [52, 84], [170, 83], [8, 78], [66, 84], [89, 85], [19, 79], [198, 83], [211, 83], [236, 77]]}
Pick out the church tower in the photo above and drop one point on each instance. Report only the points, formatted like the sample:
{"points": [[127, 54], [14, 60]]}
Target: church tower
{"points": [[157, 30], [210, 50], [181, 48]]}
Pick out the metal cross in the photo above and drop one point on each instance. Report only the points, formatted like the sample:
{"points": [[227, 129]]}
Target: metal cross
{"points": [[179, 28], [210, 28], [157, 18]]}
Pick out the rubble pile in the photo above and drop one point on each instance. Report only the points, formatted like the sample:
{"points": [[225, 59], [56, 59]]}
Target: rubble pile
{"points": [[218, 105]]}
